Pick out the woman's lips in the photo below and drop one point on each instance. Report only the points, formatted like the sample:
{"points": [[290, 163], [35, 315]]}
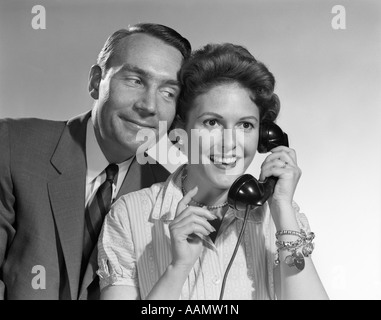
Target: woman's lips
{"points": [[224, 162]]}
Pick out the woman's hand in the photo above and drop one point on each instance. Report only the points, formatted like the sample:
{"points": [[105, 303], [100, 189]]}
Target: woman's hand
{"points": [[186, 231], [282, 163]]}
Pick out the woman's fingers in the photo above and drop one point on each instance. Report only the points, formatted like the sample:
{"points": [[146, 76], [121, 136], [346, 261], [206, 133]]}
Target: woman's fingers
{"points": [[194, 222], [183, 204], [200, 211], [281, 161], [190, 219], [284, 153]]}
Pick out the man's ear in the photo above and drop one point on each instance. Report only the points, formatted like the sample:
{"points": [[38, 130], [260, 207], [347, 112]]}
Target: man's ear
{"points": [[95, 77]]}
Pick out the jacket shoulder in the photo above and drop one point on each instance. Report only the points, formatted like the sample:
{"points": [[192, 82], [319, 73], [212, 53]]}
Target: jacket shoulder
{"points": [[25, 136], [31, 125]]}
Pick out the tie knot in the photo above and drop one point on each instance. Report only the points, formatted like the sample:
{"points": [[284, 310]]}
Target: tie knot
{"points": [[111, 171]]}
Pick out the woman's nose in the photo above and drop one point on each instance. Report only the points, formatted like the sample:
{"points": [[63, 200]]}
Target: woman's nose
{"points": [[229, 140]]}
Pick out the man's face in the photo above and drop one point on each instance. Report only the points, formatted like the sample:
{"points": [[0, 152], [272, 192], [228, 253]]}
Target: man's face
{"points": [[139, 89]]}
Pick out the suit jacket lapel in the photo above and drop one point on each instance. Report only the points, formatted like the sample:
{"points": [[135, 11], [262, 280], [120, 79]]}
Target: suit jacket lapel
{"points": [[142, 176], [137, 177], [67, 195]]}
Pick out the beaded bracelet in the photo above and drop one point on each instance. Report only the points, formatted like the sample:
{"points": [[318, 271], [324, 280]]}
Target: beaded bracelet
{"points": [[300, 234], [296, 258]]}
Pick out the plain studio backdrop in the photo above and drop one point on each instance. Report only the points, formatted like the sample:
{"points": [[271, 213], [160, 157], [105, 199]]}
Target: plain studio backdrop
{"points": [[328, 74]]}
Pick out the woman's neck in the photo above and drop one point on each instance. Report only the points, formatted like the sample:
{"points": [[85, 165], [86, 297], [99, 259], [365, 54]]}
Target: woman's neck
{"points": [[207, 194]]}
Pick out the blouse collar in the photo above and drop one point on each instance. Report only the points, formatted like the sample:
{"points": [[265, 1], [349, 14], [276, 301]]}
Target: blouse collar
{"points": [[171, 193]]}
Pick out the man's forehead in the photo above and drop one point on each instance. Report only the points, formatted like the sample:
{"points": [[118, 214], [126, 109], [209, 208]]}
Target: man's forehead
{"points": [[161, 62], [145, 44], [145, 51]]}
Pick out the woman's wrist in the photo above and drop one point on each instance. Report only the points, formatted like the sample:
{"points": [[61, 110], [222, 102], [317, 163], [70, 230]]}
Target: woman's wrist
{"points": [[170, 283], [179, 269], [283, 214]]}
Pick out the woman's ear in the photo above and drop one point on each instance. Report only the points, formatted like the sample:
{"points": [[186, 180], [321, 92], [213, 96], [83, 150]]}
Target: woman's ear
{"points": [[95, 78]]}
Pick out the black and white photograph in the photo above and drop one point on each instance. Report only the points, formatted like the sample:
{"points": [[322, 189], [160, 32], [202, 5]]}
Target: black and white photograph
{"points": [[190, 150]]}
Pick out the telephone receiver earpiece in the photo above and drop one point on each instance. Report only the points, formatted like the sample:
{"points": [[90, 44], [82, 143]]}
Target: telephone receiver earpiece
{"points": [[270, 136], [248, 191]]}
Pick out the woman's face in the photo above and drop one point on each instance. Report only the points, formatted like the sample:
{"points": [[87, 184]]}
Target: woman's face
{"points": [[223, 125]]}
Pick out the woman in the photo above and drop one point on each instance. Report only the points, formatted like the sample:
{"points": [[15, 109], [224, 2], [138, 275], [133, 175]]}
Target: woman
{"points": [[175, 239]]}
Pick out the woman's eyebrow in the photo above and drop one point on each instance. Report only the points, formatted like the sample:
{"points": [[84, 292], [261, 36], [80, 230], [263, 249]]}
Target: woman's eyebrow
{"points": [[249, 117], [216, 115]]}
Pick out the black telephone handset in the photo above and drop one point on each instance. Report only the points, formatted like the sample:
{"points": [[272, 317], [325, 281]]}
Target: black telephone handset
{"points": [[246, 190]]}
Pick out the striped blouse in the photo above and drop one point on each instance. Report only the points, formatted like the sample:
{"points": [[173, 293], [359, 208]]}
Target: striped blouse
{"points": [[134, 247]]}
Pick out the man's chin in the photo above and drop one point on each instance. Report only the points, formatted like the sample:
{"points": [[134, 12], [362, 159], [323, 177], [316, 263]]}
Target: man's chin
{"points": [[148, 146]]}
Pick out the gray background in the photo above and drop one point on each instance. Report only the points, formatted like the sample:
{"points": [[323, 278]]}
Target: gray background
{"points": [[328, 82]]}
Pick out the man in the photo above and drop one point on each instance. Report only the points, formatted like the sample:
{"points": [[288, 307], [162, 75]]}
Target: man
{"points": [[50, 171]]}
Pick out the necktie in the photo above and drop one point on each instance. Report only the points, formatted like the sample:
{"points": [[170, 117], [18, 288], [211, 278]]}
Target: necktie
{"points": [[95, 212]]}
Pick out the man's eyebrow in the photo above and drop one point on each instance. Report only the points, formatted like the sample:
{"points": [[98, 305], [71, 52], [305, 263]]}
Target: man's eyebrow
{"points": [[135, 69], [175, 83], [131, 68]]}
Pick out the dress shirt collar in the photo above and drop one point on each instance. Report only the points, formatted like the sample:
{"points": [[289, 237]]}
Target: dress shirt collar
{"points": [[96, 161]]}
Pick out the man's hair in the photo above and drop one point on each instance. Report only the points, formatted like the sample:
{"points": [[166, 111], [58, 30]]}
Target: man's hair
{"points": [[164, 33], [216, 64]]}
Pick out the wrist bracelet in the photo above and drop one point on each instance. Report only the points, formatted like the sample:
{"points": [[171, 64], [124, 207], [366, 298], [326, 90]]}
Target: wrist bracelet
{"points": [[300, 234], [295, 258]]}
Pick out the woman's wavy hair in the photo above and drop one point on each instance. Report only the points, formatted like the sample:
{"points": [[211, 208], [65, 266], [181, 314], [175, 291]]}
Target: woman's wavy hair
{"points": [[216, 64]]}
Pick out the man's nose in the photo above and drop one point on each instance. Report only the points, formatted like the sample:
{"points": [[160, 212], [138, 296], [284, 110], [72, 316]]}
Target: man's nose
{"points": [[147, 104]]}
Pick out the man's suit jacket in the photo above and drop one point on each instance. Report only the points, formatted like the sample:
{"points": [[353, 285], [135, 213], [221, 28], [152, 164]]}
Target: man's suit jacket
{"points": [[42, 202]]}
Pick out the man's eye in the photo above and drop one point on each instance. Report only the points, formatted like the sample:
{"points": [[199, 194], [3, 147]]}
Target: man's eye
{"points": [[134, 81], [169, 94]]}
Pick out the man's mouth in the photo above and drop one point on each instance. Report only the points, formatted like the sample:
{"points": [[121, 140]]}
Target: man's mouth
{"points": [[140, 124]]}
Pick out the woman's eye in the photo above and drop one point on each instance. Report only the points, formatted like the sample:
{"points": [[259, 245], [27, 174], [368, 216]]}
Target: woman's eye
{"points": [[246, 126], [211, 123]]}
